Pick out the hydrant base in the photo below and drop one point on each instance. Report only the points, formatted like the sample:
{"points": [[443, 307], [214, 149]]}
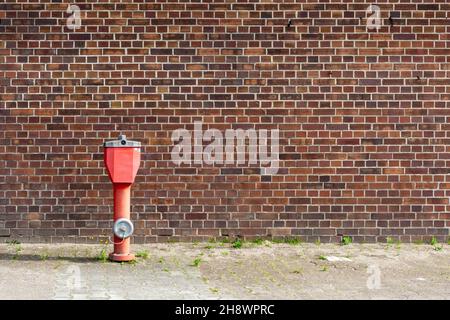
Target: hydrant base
{"points": [[121, 257]]}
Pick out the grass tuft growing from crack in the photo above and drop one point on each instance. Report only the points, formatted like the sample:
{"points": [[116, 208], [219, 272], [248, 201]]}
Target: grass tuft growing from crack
{"points": [[435, 243], [346, 240], [237, 244], [289, 240], [258, 241], [293, 241], [102, 256], [196, 262], [142, 254], [44, 256], [390, 241], [214, 290], [17, 249]]}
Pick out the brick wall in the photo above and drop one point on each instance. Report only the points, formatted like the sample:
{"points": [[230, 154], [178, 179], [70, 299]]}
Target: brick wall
{"points": [[363, 117]]}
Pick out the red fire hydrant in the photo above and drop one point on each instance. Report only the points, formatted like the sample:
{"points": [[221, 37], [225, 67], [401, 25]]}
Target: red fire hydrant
{"points": [[122, 158]]}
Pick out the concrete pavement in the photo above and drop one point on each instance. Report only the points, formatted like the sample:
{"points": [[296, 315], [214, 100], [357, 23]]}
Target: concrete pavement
{"points": [[219, 271]]}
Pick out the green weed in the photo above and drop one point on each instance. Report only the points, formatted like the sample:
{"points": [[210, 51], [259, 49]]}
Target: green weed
{"points": [[142, 254], [237, 244], [433, 241], [346, 240], [258, 241], [196, 262], [102, 256]]}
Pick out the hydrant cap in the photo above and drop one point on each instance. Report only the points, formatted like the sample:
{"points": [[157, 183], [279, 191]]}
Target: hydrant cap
{"points": [[122, 142], [123, 228]]}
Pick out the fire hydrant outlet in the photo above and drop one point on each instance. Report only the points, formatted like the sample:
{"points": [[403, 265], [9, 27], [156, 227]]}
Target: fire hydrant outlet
{"points": [[123, 228]]}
